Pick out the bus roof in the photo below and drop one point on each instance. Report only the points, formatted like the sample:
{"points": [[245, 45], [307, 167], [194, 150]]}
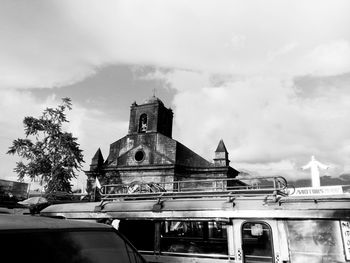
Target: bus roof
{"points": [[209, 207], [206, 199]]}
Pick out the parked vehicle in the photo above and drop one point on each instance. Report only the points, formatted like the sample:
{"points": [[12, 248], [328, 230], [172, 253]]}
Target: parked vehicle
{"points": [[11, 192], [36, 203], [246, 223], [41, 240]]}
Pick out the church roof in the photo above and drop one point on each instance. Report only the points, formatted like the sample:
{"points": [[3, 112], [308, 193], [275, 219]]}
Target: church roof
{"points": [[221, 147], [153, 99]]}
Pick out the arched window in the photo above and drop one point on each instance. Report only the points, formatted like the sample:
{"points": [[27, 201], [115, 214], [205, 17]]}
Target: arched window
{"points": [[143, 123]]}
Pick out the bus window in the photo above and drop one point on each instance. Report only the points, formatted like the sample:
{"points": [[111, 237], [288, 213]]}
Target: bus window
{"points": [[315, 241], [257, 242], [193, 237], [139, 232]]}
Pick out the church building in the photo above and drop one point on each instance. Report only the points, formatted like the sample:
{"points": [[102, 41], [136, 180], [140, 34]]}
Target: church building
{"points": [[148, 153]]}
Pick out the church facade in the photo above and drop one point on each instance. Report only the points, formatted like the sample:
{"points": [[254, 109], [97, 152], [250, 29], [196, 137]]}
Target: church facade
{"points": [[148, 153]]}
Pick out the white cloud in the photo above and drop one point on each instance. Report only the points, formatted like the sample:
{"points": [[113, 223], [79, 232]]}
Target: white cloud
{"points": [[264, 122], [329, 59], [54, 43], [237, 41], [273, 55], [258, 46]]}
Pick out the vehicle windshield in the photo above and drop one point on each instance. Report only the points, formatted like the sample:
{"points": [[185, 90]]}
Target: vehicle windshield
{"points": [[66, 247]]}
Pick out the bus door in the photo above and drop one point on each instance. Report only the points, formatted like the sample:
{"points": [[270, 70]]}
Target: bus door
{"points": [[256, 241]]}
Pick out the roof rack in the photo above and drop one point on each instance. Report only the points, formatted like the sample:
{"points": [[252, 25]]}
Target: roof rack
{"points": [[257, 186]]}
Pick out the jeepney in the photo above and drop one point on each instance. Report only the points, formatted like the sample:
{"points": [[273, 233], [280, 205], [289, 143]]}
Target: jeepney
{"points": [[241, 223]]}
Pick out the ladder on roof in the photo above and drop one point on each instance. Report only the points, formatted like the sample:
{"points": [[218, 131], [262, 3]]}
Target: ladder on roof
{"points": [[258, 186]]}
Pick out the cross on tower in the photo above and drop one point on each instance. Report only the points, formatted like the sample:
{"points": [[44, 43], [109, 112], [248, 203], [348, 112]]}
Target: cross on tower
{"points": [[154, 92]]}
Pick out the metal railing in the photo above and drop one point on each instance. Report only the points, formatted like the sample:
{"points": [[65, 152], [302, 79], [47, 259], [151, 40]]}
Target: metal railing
{"points": [[275, 186]]}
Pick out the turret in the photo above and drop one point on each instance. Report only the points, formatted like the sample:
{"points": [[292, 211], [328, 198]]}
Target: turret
{"points": [[221, 155], [97, 161]]}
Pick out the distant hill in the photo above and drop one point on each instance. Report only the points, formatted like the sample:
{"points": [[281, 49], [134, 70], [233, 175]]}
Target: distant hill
{"points": [[343, 179]]}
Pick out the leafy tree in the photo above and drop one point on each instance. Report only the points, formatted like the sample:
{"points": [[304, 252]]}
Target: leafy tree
{"points": [[53, 156]]}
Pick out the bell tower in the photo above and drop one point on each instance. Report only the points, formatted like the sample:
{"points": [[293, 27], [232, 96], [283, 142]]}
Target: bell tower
{"points": [[151, 116]]}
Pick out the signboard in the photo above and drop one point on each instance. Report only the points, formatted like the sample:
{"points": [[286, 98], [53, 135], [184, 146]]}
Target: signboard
{"points": [[322, 190], [345, 229]]}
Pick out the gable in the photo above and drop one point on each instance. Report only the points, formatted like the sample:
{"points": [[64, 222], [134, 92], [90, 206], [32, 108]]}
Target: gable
{"points": [[159, 149], [143, 155]]}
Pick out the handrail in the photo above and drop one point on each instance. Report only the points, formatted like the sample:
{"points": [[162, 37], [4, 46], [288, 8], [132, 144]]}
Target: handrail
{"points": [[256, 186]]}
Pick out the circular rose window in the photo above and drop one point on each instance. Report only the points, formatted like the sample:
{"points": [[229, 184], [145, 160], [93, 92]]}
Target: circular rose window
{"points": [[139, 156]]}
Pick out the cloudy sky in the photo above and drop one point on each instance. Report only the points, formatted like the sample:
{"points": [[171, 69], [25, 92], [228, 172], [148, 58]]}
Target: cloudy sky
{"points": [[270, 78]]}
